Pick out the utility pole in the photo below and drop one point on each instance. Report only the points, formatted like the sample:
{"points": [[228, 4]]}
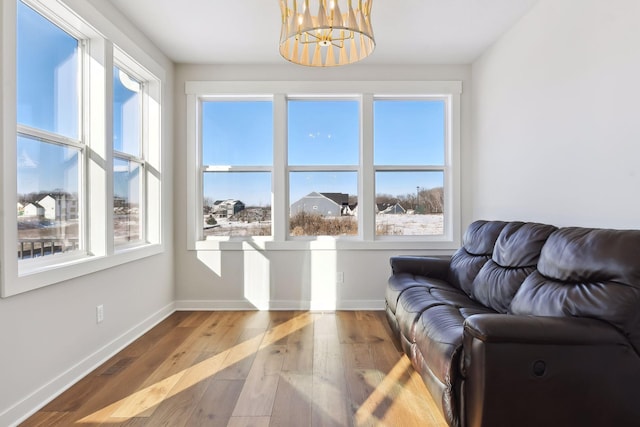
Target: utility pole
{"points": [[417, 198]]}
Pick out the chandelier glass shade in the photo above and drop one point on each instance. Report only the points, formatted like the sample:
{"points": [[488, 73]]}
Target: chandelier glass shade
{"points": [[325, 33]]}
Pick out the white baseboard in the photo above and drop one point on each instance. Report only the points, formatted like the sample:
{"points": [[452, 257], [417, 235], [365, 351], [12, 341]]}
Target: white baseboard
{"points": [[214, 305], [238, 305], [22, 410]]}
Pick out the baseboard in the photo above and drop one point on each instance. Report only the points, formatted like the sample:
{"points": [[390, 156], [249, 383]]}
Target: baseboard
{"points": [[238, 305], [214, 305], [45, 394]]}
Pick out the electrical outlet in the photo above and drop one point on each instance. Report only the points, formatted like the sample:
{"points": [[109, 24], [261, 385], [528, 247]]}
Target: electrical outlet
{"points": [[99, 313], [339, 277]]}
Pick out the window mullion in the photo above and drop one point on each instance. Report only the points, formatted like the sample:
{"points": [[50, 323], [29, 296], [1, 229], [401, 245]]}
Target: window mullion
{"points": [[195, 177], [106, 229], [280, 175], [366, 179]]}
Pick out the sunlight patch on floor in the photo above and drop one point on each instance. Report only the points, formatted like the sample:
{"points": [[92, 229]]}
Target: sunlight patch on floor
{"points": [[144, 402]]}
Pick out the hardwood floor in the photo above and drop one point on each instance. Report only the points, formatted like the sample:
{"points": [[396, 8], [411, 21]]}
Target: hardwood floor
{"points": [[252, 369]]}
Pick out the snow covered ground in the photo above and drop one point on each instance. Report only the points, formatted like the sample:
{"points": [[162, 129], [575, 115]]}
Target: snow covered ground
{"points": [[409, 225], [386, 224]]}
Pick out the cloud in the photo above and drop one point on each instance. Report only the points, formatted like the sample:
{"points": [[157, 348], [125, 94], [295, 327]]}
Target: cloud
{"points": [[319, 135]]}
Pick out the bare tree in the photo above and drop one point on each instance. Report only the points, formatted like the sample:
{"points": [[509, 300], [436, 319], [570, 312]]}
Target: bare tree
{"points": [[432, 200]]}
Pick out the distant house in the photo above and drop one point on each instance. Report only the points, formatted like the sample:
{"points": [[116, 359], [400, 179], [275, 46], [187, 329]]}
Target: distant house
{"points": [[49, 204], [227, 208], [390, 208], [119, 202], [52, 207], [325, 204], [60, 207], [20, 209], [33, 210]]}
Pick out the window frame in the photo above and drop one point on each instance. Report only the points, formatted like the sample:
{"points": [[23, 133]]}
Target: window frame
{"points": [[322, 168], [60, 19], [367, 91], [133, 69], [98, 53], [445, 168], [213, 168]]}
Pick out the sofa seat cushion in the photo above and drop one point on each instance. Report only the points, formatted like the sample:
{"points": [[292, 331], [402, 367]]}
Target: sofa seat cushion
{"points": [[398, 283], [418, 301]]}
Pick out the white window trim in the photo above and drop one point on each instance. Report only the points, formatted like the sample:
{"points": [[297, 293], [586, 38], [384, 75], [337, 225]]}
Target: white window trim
{"points": [[367, 90], [97, 139]]}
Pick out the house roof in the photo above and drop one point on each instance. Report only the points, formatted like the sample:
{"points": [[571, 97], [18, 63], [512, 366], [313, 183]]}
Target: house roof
{"points": [[36, 204], [339, 198], [226, 202]]}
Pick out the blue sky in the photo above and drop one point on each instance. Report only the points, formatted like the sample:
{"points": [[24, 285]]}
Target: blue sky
{"points": [[47, 75], [320, 132], [127, 113]]}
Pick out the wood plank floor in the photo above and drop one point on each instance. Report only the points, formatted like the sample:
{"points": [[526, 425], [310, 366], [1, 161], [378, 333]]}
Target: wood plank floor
{"points": [[252, 369]]}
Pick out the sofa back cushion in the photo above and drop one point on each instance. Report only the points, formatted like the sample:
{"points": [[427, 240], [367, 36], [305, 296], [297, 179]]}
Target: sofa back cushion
{"points": [[515, 256], [476, 250], [587, 273]]}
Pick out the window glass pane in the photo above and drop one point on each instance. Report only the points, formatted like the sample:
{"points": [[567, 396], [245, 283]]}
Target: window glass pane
{"points": [[409, 203], [323, 203], [127, 113], [47, 75], [237, 204], [409, 132], [47, 210], [324, 132], [126, 201], [237, 133]]}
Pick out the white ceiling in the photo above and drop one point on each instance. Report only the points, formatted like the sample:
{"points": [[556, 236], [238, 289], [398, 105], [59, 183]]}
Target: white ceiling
{"points": [[247, 31]]}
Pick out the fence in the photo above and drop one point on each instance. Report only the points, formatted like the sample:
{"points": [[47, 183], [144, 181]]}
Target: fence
{"points": [[35, 247]]}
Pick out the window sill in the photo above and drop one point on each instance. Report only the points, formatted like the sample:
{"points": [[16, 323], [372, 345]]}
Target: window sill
{"points": [[35, 275]]}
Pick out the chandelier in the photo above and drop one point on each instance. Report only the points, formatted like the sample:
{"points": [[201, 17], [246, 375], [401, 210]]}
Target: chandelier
{"points": [[338, 33]]}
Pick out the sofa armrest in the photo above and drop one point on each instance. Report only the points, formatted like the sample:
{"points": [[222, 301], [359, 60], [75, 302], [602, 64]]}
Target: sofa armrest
{"points": [[437, 268], [533, 371], [496, 328]]}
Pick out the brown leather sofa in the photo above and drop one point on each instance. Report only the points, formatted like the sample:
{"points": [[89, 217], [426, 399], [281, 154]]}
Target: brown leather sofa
{"points": [[525, 325]]}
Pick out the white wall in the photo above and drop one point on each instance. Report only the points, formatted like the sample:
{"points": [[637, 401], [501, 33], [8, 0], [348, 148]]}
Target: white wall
{"points": [[556, 122], [49, 337], [285, 278]]}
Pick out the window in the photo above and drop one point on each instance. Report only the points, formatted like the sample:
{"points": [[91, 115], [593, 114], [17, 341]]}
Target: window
{"points": [[128, 164], [82, 163], [323, 152], [365, 162], [49, 150], [237, 153], [409, 140]]}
